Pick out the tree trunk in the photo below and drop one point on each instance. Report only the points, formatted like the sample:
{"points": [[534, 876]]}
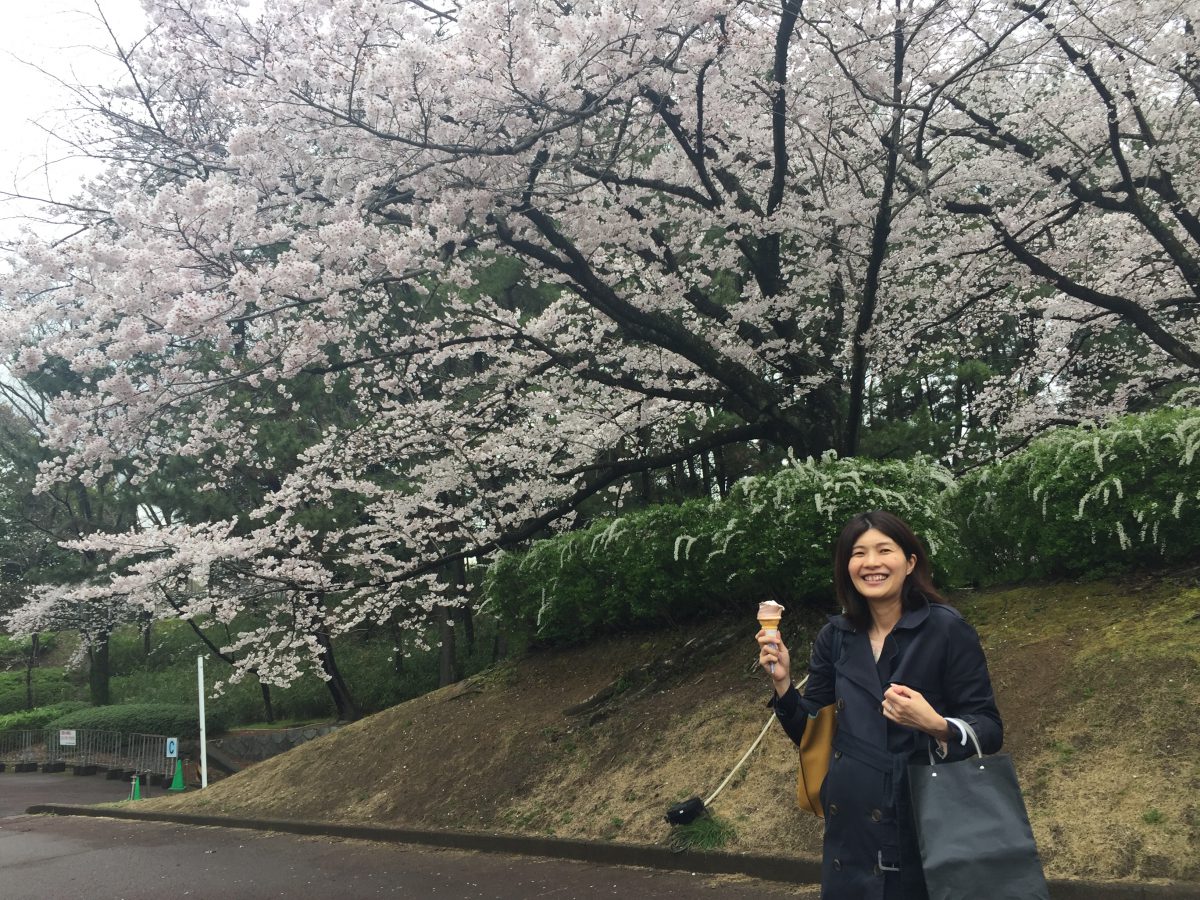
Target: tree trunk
{"points": [[146, 626], [98, 670], [343, 701], [499, 645], [268, 710], [645, 477], [958, 408], [722, 472], [447, 659], [878, 254], [397, 648], [466, 614], [29, 663]]}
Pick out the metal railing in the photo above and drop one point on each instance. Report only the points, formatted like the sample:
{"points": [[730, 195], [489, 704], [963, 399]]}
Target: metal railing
{"points": [[17, 747], [145, 754]]}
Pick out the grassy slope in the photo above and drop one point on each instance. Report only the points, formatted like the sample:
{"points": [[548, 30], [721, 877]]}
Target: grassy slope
{"points": [[1097, 683]]}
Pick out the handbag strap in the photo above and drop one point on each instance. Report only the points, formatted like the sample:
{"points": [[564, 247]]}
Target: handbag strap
{"points": [[837, 654], [968, 731]]}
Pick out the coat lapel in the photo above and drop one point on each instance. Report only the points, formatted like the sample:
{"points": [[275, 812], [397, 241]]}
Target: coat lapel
{"points": [[903, 636], [858, 664]]}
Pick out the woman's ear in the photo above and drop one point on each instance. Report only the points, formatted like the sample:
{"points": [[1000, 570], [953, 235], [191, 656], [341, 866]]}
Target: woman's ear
{"points": [[912, 564]]}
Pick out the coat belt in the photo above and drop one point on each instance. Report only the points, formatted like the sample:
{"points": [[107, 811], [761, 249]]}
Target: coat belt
{"points": [[890, 764]]}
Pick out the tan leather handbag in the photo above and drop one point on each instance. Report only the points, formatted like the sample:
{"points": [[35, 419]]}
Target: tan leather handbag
{"points": [[816, 748]]}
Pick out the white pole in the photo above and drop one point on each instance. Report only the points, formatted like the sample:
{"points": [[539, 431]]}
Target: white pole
{"points": [[203, 742]]}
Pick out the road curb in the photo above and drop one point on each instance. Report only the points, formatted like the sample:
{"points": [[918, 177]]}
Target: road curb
{"points": [[791, 870]]}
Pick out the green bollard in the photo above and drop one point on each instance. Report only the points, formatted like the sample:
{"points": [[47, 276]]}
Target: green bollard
{"points": [[177, 781], [135, 791]]}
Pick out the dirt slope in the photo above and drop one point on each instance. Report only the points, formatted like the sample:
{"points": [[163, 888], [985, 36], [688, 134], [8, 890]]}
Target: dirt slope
{"points": [[1097, 684]]}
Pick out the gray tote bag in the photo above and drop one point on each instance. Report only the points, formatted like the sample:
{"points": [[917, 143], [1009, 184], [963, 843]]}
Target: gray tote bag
{"points": [[973, 830]]}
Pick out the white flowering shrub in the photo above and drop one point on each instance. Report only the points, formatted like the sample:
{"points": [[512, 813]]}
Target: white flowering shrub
{"points": [[1086, 501], [771, 538], [615, 573]]}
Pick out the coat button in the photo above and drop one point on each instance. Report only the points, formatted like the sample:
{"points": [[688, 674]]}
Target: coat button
{"points": [[841, 704], [837, 865], [833, 809], [876, 815], [837, 754]]}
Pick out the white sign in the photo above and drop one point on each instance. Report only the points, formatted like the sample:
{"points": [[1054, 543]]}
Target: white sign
{"points": [[172, 748], [66, 737]]}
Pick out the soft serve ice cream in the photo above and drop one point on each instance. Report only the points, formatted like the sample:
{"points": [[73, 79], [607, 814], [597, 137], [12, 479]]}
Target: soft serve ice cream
{"points": [[769, 614]]}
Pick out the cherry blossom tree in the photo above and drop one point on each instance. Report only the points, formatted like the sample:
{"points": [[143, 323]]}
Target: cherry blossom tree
{"points": [[727, 221], [35, 566], [1087, 140]]}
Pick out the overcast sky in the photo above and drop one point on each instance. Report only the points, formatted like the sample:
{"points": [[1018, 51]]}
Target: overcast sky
{"points": [[67, 39]]}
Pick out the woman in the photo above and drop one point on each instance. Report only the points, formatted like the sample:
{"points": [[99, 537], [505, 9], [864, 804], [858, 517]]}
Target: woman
{"points": [[906, 662]]}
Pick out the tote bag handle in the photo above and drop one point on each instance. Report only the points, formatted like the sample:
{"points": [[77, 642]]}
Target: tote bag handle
{"points": [[968, 731]]}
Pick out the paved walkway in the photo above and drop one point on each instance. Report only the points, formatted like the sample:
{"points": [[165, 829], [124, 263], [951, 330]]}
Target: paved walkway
{"points": [[78, 855], [99, 858], [19, 791]]}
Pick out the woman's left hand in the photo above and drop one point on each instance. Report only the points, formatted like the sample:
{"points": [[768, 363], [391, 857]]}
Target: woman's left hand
{"points": [[909, 708]]}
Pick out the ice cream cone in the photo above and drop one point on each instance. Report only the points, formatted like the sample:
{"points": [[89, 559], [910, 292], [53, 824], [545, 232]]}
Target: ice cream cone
{"points": [[770, 625], [769, 615]]}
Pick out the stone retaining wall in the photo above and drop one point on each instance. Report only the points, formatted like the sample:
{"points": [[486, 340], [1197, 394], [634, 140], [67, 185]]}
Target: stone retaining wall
{"points": [[255, 746]]}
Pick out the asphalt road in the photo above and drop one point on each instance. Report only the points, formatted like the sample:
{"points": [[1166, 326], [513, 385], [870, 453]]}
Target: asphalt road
{"points": [[63, 858]]}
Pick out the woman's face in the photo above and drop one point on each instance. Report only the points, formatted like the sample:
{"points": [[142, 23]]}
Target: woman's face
{"points": [[878, 566]]}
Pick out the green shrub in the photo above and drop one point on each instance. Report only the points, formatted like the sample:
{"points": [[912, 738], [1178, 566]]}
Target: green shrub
{"points": [[15, 650], [167, 674], [1086, 500], [612, 574], [369, 666], [171, 643], [173, 719], [772, 537], [39, 718], [50, 685], [778, 539]]}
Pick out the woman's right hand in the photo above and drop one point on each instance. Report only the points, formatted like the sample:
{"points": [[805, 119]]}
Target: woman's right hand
{"points": [[771, 649]]}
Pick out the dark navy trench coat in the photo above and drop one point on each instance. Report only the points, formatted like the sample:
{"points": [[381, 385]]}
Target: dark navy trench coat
{"points": [[868, 825]]}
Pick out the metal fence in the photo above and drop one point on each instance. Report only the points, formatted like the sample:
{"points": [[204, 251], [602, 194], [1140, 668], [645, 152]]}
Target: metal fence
{"points": [[19, 747], [112, 751]]}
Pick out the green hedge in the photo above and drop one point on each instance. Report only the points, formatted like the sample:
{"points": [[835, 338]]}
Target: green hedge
{"points": [[40, 717], [1086, 501], [772, 537], [15, 650], [50, 685], [779, 534], [171, 719], [1078, 501]]}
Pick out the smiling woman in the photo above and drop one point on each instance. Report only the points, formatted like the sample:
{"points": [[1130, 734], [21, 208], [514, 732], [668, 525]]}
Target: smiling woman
{"points": [[906, 662], [878, 568]]}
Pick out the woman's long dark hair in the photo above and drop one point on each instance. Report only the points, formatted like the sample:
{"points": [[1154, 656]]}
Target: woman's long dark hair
{"points": [[918, 586]]}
